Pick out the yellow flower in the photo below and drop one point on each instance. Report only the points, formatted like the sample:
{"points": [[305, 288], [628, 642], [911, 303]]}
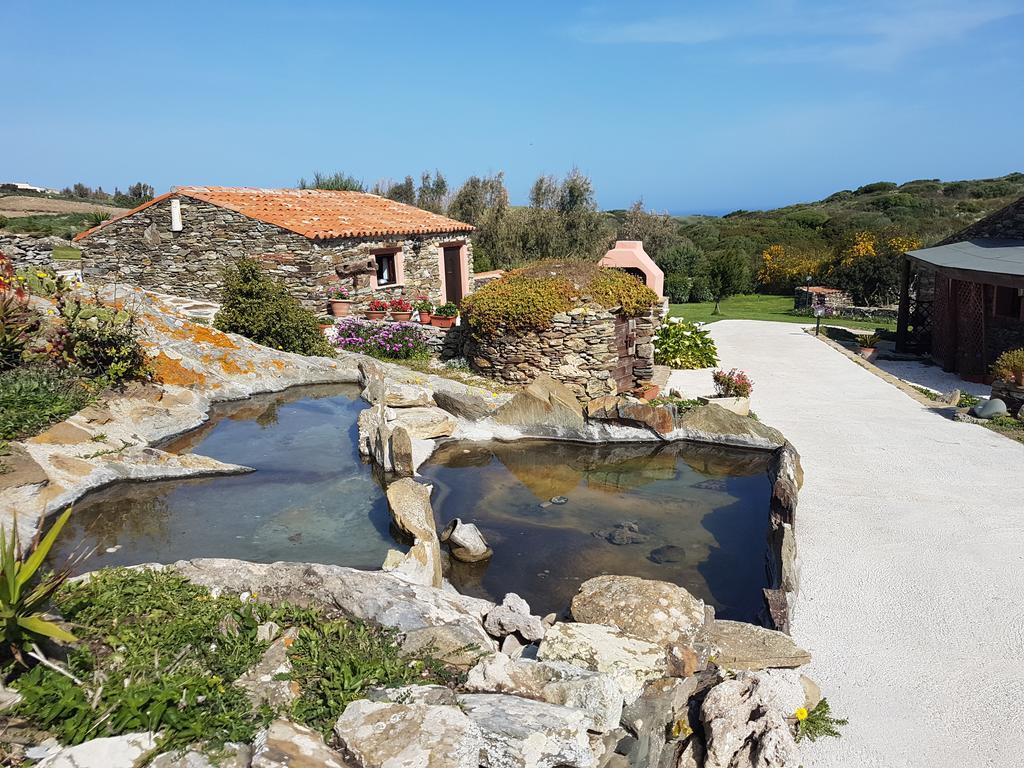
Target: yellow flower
{"points": [[801, 714]]}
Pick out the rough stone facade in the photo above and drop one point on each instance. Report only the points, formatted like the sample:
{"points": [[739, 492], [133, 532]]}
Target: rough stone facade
{"points": [[816, 296], [28, 251], [580, 350], [141, 249]]}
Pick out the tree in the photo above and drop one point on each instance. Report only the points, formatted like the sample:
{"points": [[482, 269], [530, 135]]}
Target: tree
{"points": [[338, 181], [658, 231], [433, 192], [402, 192], [477, 196], [728, 273], [141, 191]]}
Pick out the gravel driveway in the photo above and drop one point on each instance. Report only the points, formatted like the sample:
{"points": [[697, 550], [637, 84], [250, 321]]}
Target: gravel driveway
{"points": [[911, 536]]}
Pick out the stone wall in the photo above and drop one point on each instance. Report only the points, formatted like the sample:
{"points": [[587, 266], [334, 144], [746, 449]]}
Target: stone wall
{"points": [[578, 350], [142, 250], [26, 251]]}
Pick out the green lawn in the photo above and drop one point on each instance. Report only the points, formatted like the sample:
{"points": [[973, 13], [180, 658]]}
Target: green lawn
{"points": [[761, 307], [66, 254]]}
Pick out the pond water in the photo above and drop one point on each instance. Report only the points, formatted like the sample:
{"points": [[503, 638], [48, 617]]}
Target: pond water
{"points": [[558, 513], [311, 498], [694, 515]]}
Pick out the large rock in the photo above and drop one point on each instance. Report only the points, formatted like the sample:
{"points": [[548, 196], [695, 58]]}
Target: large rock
{"points": [[657, 418], [522, 733], [289, 745], [455, 644], [230, 756], [653, 717], [739, 645], [465, 402], [396, 394], [555, 682], [409, 502], [423, 423], [263, 683], [714, 424], [989, 409], [741, 730], [629, 661], [544, 403], [513, 617], [386, 734], [656, 611], [109, 752], [369, 595]]}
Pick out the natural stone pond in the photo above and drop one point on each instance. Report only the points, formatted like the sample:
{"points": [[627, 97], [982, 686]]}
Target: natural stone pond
{"points": [[554, 513]]}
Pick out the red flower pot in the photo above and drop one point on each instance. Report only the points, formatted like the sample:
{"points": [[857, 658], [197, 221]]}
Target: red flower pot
{"points": [[425, 318], [401, 317], [375, 315], [442, 322]]}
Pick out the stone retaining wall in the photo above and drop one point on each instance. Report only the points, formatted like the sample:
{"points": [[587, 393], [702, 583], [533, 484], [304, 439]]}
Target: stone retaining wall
{"points": [[579, 350], [141, 250], [28, 251]]}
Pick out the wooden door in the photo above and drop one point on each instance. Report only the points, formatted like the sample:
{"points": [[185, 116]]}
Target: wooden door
{"points": [[625, 350], [453, 273]]}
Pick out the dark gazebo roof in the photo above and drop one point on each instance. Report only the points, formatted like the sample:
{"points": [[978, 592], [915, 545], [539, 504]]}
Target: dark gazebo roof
{"points": [[993, 261]]}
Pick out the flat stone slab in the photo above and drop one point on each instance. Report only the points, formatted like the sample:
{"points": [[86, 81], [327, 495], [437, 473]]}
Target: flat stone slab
{"points": [[745, 646]]}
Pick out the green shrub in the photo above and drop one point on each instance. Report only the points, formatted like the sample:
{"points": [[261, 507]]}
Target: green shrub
{"points": [[258, 307], [615, 288], [100, 341], [336, 662], [527, 299], [42, 281], [517, 304], [679, 344], [1009, 365], [24, 595], [448, 309], [678, 288], [34, 397], [18, 326]]}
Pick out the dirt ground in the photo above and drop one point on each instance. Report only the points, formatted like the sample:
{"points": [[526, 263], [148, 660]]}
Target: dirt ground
{"points": [[28, 205]]}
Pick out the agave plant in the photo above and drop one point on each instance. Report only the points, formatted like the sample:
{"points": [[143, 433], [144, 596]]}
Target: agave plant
{"points": [[23, 597]]}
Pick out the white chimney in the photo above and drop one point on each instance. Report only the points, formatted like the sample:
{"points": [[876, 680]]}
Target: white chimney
{"points": [[175, 215]]}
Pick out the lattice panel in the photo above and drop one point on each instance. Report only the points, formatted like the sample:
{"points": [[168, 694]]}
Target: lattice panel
{"points": [[970, 336]]}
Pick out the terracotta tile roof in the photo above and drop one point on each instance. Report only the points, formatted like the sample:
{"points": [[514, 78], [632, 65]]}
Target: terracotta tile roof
{"points": [[318, 214]]}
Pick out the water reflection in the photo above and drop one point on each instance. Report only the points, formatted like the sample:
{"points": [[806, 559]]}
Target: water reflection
{"points": [[694, 515], [311, 498]]}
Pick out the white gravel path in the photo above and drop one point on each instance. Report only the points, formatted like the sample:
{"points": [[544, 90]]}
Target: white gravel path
{"points": [[911, 536]]}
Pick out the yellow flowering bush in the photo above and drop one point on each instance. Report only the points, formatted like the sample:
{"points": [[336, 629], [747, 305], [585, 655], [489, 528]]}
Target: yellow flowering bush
{"points": [[782, 269]]}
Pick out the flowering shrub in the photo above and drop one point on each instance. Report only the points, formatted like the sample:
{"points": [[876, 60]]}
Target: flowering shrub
{"points": [[1009, 365], [337, 293], [377, 305], [399, 305], [400, 341], [733, 383], [423, 304], [679, 344]]}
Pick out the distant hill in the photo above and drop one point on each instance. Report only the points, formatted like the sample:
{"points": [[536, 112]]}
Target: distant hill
{"points": [[926, 209]]}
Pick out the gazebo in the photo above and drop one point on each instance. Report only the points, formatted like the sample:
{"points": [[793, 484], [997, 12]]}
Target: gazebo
{"points": [[961, 300]]}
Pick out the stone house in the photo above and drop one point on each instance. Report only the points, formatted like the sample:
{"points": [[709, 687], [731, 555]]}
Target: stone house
{"points": [[180, 242], [962, 301]]}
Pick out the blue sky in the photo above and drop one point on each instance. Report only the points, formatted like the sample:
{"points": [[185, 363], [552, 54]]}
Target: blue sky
{"points": [[695, 106]]}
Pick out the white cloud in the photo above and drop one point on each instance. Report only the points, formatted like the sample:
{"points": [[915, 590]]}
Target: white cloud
{"points": [[859, 34]]}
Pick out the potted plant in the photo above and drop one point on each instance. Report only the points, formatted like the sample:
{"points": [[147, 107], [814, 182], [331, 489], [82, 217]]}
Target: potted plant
{"points": [[401, 310], [376, 309], [444, 316], [732, 391], [337, 297], [424, 306], [868, 345], [1009, 366]]}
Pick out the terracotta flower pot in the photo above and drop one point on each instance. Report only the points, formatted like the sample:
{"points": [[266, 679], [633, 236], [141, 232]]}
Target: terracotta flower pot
{"points": [[425, 318], [401, 317], [341, 307], [439, 321], [375, 315]]}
